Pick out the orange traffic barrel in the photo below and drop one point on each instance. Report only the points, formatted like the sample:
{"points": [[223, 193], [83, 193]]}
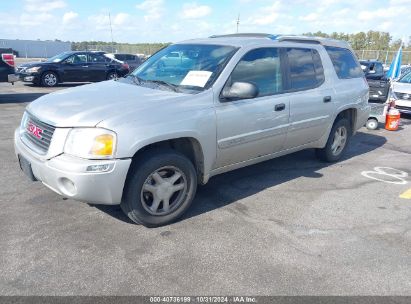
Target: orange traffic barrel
{"points": [[392, 120]]}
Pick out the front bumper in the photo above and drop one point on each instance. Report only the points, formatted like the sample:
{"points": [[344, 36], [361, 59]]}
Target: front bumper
{"points": [[26, 77], [68, 175]]}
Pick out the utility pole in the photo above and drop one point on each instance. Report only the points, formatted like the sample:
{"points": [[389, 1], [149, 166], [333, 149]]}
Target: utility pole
{"points": [[238, 22], [111, 30]]}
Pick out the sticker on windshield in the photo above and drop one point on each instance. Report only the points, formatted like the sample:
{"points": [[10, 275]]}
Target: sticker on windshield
{"points": [[196, 78]]}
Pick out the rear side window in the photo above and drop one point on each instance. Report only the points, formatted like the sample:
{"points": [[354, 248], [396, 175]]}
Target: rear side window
{"points": [[97, 58], [262, 68], [305, 69], [345, 65], [120, 57]]}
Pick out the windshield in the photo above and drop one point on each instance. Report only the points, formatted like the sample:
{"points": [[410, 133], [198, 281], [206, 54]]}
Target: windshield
{"points": [[57, 58], [185, 66], [406, 78]]}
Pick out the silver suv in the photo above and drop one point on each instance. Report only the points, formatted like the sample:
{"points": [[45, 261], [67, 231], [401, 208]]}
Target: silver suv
{"points": [[147, 140]]}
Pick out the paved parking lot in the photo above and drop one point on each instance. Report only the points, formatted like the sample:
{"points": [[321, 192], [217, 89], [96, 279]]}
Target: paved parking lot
{"points": [[290, 226]]}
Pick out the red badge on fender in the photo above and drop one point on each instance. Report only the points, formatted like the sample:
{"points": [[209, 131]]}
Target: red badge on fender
{"points": [[34, 130]]}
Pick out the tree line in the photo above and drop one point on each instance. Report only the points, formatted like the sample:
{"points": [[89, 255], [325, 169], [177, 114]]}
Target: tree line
{"points": [[371, 40], [116, 47]]}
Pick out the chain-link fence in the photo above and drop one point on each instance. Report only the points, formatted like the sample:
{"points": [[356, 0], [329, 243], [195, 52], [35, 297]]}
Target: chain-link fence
{"points": [[385, 57]]}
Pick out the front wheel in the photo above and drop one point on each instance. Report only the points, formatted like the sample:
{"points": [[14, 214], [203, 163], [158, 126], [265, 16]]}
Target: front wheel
{"points": [[49, 79], [160, 188], [337, 141]]}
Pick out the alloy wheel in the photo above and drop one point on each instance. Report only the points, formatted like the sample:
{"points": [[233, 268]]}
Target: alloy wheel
{"points": [[164, 190], [339, 141]]}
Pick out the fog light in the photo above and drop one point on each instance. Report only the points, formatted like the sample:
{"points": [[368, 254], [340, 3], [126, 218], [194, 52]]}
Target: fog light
{"points": [[29, 78], [99, 168], [67, 187]]}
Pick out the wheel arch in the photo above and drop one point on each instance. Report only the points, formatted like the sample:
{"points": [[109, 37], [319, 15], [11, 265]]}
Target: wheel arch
{"points": [[351, 115], [188, 146]]}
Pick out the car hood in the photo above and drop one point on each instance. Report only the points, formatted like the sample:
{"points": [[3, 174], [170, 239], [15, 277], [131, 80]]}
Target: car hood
{"points": [[87, 105], [401, 87], [33, 63]]}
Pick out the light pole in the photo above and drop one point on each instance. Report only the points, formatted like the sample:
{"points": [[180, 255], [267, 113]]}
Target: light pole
{"points": [[111, 30]]}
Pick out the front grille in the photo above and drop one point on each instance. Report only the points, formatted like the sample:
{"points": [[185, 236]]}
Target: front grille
{"points": [[20, 69], [40, 144], [405, 96], [375, 91]]}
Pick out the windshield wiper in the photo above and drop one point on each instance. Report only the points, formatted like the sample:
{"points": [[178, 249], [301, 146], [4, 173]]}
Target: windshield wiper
{"points": [[174, 87], [137, 80]]}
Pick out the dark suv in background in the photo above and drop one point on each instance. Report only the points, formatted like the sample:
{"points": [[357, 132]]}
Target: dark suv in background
{"points": [[132, 60], [73, 67], [377, 81]]}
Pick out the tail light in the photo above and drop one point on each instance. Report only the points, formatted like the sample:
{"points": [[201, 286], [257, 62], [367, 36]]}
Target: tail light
{"points": [[8, 58], [125, 66]]}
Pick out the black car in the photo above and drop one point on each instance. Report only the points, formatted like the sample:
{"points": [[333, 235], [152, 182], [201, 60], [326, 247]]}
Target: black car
{"points": [[132, 60], [377, 81], [73, 67], [7, 65]]}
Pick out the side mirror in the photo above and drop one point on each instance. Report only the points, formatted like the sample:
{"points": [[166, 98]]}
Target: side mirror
{"points": [[240, 90]]}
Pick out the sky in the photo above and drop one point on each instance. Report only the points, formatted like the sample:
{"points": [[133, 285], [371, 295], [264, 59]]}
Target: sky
{"points": [[175, 20]]}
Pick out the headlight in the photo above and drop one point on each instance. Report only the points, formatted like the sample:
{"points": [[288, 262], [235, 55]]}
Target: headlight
{"points": [[91, 143], [33, 70], [23, 122]]}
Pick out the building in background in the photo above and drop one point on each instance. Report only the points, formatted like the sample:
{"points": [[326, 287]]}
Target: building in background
{"points": [[35, 48]]}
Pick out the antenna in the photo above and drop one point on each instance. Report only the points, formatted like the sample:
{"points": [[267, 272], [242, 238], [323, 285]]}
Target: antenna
{"points": [[111, 30], [238, 22]]}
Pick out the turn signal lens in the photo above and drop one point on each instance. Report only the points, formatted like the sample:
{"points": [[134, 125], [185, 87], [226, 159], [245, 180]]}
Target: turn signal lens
{"points": [[103, 145], [91, 143]]}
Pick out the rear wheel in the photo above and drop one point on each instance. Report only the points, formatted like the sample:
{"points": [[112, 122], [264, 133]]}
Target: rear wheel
{"points": [[160, 188], [112, 76], [49, 79], [337, 141], [372, 124]]}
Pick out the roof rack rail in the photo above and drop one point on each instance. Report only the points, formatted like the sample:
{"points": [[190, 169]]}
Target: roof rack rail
{"points": [[288, 38], [251, 35]]}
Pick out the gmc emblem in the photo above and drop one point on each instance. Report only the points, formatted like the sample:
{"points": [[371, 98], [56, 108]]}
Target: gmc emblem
{"points": [[34, 130]]}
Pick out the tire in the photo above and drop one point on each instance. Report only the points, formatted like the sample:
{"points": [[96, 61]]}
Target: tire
{"points": [[146, 193], [49, 79], [372, 124], [332, 153], [112, 76]]}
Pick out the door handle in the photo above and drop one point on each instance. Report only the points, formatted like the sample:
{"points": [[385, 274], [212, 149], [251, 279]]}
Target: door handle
{"points": [[327, 99], [279, 107], [84, 66]]}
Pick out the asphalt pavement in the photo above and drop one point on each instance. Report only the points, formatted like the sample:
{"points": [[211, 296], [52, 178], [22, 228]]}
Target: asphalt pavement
{"points": [[289, 226]]}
